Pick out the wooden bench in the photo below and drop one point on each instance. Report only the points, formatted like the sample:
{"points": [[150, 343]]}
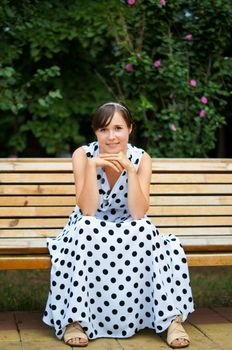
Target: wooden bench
{"points": [[191, 198]]}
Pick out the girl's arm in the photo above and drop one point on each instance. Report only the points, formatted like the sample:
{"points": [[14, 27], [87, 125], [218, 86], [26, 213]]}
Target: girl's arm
{"points": [[139, 187], [85, 176], [138, 182]]}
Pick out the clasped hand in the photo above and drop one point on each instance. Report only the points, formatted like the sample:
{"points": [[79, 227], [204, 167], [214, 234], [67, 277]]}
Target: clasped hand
{"points": [[117, 161]]}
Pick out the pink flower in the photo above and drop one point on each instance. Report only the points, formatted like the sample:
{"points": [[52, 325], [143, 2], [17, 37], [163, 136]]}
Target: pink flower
{"points": [[188, 37], [129, 67], [204, 100], [131, 2], [157, 63], [193, 83], [202, 113], [162, 2], [173, 127]]}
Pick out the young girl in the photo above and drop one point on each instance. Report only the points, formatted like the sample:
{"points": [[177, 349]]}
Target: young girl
{"points": [[112, 273]]}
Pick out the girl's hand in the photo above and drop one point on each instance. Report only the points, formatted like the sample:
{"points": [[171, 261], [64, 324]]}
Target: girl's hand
{"points": [[102, 162], [119, 159]]}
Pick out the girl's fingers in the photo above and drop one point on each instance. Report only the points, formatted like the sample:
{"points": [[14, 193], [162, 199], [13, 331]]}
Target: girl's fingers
{"points": [[113, 166], [117, 164]]}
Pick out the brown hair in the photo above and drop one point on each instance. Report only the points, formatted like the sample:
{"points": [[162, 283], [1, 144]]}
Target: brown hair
{"points": [[104, 114]]}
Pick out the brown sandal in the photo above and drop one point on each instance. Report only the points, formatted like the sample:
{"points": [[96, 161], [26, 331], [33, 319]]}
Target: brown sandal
{"points": [[175, 332], [75, 331]]}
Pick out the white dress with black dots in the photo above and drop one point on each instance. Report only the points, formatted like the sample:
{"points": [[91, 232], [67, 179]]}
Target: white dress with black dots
{"points": [[112, 274]]}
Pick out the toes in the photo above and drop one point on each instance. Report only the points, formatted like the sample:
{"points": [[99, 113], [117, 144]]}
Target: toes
{"points": [[179, 342], [76, 341]]}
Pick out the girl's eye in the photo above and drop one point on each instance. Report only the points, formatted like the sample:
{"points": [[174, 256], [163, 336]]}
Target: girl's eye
{"points": [[103, 130], [118, 128]]}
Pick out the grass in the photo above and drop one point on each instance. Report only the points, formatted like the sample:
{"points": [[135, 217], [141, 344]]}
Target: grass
{"points": [[28, 289]]}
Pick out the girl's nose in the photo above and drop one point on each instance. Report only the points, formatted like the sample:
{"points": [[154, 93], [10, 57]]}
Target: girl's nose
{"points": [[111, 134]]}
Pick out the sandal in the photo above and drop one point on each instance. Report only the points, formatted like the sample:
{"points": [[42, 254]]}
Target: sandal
{"points": [[74, 332], [177, 332]]}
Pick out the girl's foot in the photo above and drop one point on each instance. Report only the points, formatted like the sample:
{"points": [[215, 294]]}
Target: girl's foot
{"points": [[75, 336], [176, 336]]}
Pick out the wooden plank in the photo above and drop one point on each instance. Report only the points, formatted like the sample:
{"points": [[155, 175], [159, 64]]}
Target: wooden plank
{"points": [[68, 200], [159, 221], [36, 164], [25, 262], [156, 189], [159, 164], [37, 189], [54, 177], [24, 245], [189, 200], [29, 232], [24, 223], [174, 178], [35, 211], [192, 221], [194, 232], [197, 231], [216, 259], [194, 188], [57, 177], [205, 243], [153, 211], [43, 261], [189, 210], [191, 164], [38, 244]]}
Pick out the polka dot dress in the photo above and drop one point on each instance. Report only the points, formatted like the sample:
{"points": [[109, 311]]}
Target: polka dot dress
{"points": [[113, 274]]}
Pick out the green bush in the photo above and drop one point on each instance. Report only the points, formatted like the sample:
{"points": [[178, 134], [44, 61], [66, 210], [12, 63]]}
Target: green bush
{"points": [[170, 61]]}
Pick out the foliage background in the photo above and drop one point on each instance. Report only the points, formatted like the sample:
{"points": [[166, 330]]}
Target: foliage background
{"points": [[169, 61]]}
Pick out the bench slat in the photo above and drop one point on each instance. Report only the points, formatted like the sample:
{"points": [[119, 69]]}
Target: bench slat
{"points": [[56, 177], [38, 201], [159, 164], [159, 221], [37, 178], [43, 189], [69, 200], [195, 188], [40, 189], [190, 200], [153, 210], [179, 231], [29, 245], [44, 262]]}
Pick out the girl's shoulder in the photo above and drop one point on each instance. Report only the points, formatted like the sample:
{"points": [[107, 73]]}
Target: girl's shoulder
{"points": [[135, 154], [91, 149]]}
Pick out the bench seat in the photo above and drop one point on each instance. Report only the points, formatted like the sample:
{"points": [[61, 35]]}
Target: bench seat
{"points": [[191, 198]]}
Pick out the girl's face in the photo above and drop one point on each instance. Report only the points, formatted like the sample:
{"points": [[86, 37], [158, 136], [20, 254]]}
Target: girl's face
{"points": [[114, 137]]}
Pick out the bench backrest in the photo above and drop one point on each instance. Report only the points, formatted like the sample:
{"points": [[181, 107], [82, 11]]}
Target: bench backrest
{"points": [[191, 198]]}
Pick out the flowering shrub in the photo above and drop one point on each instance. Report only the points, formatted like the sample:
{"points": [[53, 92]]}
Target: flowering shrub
{"points": [[177, 77], [169, 60]]}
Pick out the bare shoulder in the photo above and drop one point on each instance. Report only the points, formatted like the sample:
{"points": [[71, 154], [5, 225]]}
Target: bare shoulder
{"points": [[146, 160], [145, 167], [79, 158], [146, 156], [79, 152]]}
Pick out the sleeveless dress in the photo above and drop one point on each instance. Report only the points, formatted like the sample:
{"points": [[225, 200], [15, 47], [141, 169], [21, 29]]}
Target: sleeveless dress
{"points": [[112, 274]]}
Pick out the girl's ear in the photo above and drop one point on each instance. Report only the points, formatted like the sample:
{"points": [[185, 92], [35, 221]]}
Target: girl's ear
{"points": [[131, 128]]}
